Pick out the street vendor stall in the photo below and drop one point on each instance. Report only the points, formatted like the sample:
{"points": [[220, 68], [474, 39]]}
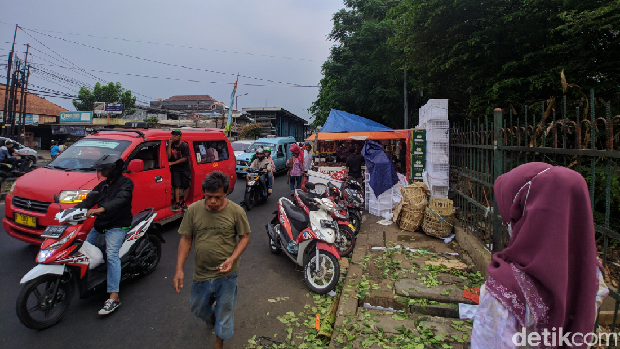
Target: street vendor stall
{"points": [[331, 149]]}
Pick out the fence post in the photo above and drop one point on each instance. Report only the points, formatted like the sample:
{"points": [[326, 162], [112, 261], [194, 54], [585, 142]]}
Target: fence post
{"points": [[498, 157]]}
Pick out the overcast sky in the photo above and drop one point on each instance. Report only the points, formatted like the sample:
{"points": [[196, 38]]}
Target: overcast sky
{"points": [[284, 41]]}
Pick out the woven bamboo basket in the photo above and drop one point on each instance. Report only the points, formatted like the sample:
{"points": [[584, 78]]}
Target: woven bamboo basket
{"points": [[411, 217], [438, 218], [414, 193]]}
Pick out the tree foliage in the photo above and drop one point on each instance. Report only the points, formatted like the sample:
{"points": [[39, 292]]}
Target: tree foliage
{"points": [[251, 131], [479, 55], [105, 93]]}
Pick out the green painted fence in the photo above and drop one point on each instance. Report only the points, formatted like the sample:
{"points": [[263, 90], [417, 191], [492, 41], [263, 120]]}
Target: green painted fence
{"points": [[483, 149]]}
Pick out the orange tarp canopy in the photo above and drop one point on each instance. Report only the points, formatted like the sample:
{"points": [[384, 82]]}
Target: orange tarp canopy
{"points": [[373, 136]]}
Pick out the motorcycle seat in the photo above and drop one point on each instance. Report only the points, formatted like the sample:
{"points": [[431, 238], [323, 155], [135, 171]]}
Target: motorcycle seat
{"points": [[307, 199], [140, 216], [295, 213]]}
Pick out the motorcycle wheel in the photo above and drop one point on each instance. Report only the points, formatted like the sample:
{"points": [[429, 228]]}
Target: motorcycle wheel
{"points": [[326, 278], [156, 244], [35, 297], [273, 246], [346, 242], [249, 200], [356, 220]]}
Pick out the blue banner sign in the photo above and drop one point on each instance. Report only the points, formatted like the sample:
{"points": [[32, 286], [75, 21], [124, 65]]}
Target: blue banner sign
{"points": [[114, 108]]}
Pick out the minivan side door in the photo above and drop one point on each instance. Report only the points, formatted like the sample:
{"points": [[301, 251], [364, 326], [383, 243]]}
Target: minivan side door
{"points": [[209, 155], [151, 186]]}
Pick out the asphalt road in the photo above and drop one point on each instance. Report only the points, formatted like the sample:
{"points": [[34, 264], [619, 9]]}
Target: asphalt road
{"points": [[152, 314]]}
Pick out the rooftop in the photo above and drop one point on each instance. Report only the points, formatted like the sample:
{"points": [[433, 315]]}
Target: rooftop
{"points": [[190, 98], [34, 104]]}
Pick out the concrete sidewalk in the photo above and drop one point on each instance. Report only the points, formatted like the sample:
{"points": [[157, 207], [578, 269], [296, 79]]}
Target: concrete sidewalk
{"points": [[422, 280]]}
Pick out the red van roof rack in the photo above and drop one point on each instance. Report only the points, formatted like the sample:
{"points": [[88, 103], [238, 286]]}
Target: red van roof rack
{"points": [[140, 133]]}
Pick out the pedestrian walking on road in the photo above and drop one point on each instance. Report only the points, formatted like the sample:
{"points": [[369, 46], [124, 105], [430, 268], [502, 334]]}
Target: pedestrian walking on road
{"points": [[213, 224], [295, 166], [55, 150], [548, 280]]}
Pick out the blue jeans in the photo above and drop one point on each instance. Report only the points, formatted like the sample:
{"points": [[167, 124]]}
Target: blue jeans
{"points": [[264, 185], [295, 182], [270, 180], [113, 241], [223, 291]]}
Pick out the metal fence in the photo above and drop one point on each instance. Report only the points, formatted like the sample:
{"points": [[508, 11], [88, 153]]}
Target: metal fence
{"points": [[483, 149]]}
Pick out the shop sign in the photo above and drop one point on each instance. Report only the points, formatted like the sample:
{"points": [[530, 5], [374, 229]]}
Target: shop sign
{"points": [[76, 116], [73, 130]]}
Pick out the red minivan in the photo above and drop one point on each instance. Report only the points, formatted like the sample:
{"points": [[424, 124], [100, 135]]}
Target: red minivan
{"points": [[37, 196]]}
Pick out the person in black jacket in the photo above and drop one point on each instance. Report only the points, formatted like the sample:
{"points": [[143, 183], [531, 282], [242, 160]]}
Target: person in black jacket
{"points": [[113, 199]]}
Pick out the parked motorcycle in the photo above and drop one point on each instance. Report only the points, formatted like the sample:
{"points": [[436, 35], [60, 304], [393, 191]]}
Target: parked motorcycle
{"points": [[308, 240], [64, 270], [345, 233], [254, 189], [353, 197], [349, 196]]}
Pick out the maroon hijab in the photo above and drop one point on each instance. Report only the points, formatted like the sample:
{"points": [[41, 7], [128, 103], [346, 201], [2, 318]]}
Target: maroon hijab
{"points": [[550, 262]]}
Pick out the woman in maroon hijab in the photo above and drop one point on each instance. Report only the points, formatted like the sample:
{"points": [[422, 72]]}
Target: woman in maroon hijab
{"points": [[548, 279]]}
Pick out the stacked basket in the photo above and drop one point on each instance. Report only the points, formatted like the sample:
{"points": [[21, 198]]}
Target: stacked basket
{"points": [[415, 199], [439, 218], [434, 118]]}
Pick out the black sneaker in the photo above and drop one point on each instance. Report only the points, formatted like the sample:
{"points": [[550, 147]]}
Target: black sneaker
{"points": [[175, 207], [109, 306], [183, 205]]}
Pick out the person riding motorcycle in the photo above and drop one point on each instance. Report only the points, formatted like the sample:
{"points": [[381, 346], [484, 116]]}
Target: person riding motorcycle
{"points": [[261, 162], [113, 198], [273, 167], [9, 155]]}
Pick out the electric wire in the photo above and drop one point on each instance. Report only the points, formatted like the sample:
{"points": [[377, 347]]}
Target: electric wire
{"points": [[171, 64], [39, 31], [73, 64]]}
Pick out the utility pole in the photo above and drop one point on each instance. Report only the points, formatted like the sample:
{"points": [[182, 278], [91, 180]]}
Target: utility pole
{"points": [[406, 104], [25, 75], [405, 88], [7, 101], [13, 100]]}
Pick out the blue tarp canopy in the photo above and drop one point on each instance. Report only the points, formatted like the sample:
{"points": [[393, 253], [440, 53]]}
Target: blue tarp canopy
{"points": [[341, 121], [380, 166]]}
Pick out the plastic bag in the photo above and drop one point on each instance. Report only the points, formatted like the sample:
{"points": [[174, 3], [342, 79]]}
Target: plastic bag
{"points": [[93, 253]]}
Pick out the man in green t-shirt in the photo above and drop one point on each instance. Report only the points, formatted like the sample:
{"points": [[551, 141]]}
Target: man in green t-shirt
{"points": [[213, 225]]}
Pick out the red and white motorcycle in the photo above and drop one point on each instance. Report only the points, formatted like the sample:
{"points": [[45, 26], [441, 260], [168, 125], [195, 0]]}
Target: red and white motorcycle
{"points": [[308, 240], [345, 233], [64, 268]]}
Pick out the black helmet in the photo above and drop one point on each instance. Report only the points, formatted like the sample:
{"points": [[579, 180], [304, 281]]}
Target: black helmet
{"points": [[111, 162]]}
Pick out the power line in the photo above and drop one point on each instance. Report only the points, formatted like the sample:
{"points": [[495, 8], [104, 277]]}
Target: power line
{"points": [[41, 31], [178, 79], [169, 64], [75, 65]]}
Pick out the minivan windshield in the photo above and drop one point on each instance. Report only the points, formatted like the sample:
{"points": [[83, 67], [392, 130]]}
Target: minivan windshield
{"points": [[240, 146], [252, 149], [82, 155]]}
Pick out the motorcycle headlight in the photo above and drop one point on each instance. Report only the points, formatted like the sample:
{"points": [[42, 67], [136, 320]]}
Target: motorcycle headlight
{"points": [[72, 196], [12, 187], [47, 252], [317, 232], [328, 224]]}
